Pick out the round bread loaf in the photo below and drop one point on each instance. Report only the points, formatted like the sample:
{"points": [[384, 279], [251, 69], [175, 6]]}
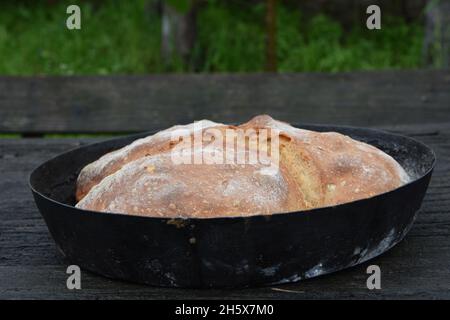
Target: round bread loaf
{"points": [[303, 170]]}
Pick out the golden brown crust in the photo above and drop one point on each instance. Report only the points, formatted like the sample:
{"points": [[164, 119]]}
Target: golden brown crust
{"points": [[153, 186], [158, 143], [315, 170]]}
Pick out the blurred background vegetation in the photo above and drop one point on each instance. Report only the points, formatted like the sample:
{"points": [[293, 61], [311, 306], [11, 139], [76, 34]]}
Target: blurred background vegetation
{"points": [[126, 37]]}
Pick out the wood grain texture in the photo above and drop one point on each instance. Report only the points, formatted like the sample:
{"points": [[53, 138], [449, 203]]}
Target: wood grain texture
{"points": [[140, 103], [30, 266]]}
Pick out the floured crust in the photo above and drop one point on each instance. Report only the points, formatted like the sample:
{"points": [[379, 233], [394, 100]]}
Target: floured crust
{"points": [[315, 170], [160, 142], [153, 186]]}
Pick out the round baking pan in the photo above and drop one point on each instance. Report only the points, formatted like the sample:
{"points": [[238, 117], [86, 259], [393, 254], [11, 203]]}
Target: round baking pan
{"points": [[234, 251]]}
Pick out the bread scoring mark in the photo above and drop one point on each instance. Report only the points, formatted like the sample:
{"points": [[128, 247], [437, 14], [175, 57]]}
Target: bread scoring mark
{"points": [[228, 145], [317, 169], [109, 163]]}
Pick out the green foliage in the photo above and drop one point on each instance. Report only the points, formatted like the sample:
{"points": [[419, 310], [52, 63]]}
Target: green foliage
{"points": [[181, 6], [230, 40], [116, 37], [322, 45], [123, 37]]}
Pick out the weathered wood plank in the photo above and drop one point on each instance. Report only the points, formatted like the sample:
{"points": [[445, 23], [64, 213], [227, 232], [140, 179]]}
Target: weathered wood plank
{"points": [[30, 266], [140, 103]]}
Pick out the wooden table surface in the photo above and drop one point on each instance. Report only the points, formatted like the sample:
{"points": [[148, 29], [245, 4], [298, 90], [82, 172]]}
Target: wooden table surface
{"points": [[30, 266]]}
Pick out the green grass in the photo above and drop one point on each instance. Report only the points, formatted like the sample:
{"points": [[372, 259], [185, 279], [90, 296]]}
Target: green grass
{"points": [[230, 40], [123, 37], [321, 45], [10, 136], [118, 37]]}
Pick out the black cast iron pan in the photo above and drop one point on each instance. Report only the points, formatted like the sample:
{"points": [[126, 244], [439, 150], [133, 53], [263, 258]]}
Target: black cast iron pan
{"points": [[237, 251]]}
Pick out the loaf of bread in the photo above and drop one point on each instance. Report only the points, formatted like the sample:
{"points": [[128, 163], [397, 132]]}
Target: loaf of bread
{"points": [[304, 170]]}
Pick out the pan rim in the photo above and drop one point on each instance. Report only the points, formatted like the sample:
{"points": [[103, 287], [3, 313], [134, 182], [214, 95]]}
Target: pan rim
{"points": [[237, 218]]}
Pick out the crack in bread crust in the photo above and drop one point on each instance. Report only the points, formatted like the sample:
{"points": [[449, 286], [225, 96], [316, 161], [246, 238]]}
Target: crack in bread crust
{"points": [[315, 170]]}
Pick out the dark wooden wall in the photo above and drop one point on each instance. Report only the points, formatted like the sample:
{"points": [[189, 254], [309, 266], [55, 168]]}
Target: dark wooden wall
{"points": [[139, 103]]}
